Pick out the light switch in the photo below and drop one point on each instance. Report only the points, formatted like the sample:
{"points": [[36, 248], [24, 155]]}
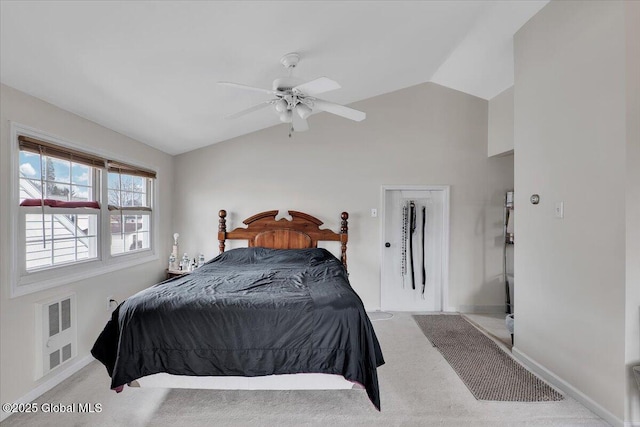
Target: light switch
{"points": [[559, 211], [374, 212]]}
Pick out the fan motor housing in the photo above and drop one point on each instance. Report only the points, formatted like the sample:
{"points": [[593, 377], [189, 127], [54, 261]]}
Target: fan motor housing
{"points": [[285, 84]]}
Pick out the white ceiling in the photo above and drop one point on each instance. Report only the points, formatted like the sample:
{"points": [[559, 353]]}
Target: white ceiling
{"points": [[149, 69]]}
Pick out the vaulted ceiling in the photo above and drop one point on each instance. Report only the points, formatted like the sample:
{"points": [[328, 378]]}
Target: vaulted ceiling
{"points": [[149, 70]]}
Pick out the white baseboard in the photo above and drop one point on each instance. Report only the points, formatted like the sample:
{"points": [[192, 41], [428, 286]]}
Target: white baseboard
{"points": [[567, 388], [632, 424], [482, 309], [51, 383]]}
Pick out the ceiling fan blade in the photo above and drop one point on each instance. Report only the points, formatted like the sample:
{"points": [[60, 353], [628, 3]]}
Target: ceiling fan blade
{"points": [[249, 110], [317, 86], [299, 124], [251, 88], [340, 110]]}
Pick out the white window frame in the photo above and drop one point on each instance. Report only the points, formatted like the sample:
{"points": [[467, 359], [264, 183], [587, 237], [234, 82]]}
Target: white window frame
{"points": [[125, 212], [23, 282]]}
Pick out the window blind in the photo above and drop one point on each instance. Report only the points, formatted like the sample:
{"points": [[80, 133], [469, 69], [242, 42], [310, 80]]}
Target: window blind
{"points": [[38, 146], [129, 208], [42, 147], [126, 169]]}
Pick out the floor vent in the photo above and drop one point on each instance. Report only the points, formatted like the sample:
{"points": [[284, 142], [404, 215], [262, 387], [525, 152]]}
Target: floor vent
{"points": [[55, 332]]}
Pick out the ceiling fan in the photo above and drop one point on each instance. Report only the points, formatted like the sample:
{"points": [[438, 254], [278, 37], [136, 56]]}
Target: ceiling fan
{"points": [[295, 101]]}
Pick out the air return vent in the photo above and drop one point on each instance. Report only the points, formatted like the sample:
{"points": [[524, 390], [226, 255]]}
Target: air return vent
{"points": [[55, 333]]}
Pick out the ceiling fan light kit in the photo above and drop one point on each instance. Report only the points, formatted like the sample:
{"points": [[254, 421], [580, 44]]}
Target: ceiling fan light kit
{"points": [[290, 95], [286, 116], [303, 111], [281, 105]]}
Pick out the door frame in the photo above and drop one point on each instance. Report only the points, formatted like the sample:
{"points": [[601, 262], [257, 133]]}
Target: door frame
{"points": [[446, 193]]}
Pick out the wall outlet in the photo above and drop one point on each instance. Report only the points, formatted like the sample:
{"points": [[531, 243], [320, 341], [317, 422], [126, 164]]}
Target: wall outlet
{"points": [[374, 213], [559, 210], [110, 301]]}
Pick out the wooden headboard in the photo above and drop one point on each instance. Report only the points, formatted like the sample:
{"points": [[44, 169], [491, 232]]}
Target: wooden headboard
{"points": [[303, 231]]}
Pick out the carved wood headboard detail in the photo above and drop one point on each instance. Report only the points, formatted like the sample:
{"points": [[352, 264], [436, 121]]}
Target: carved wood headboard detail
{"points": [[303, 231]]}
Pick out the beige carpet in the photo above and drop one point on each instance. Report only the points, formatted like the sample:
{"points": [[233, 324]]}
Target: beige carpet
{"points": [[418, 388], [488, 372]]}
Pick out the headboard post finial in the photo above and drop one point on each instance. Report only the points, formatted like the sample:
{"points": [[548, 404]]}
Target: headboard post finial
{"points": [[222, 229], [344, 233]]}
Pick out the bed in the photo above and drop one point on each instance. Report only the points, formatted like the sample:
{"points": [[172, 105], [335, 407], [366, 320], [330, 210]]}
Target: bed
{"points": [[279, 308]]}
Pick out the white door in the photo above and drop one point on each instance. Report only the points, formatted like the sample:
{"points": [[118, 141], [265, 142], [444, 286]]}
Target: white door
{"points": [[406, 292]]}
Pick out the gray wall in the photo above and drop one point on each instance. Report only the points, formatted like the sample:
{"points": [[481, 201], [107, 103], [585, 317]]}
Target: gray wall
{"points": [[17, 324], [632, 298], [426, 134], [570, 145], [501, 123]]}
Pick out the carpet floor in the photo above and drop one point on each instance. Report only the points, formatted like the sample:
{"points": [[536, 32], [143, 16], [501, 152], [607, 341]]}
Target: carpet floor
{"points": [[418, 388]]}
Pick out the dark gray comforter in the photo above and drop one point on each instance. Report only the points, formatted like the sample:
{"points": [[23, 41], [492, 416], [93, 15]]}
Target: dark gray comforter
{"points": [[249, 312]]}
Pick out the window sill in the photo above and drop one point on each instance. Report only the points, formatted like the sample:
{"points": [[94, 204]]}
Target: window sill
{"points": [[22, 287]]}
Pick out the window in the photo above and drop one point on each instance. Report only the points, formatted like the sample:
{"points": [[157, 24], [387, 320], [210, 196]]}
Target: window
{"points": [[57, 235], [68, 238], [78, 211], [129, 212]]}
